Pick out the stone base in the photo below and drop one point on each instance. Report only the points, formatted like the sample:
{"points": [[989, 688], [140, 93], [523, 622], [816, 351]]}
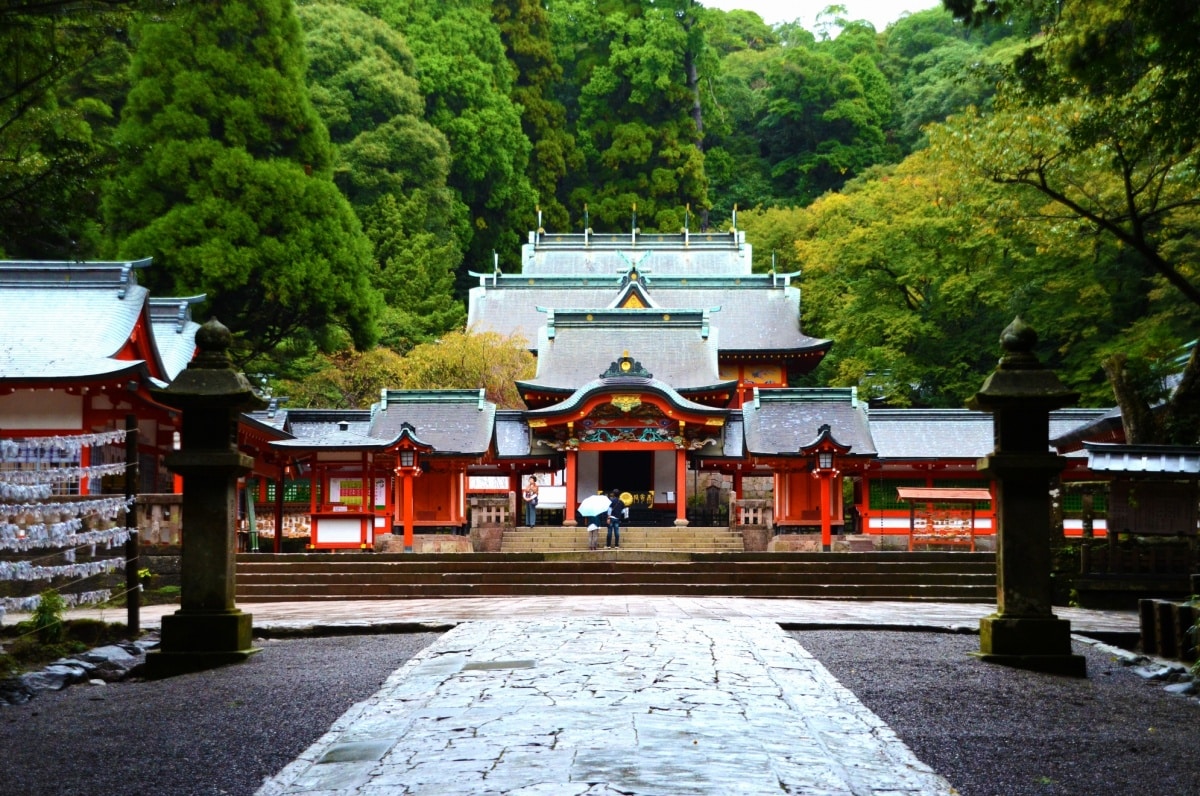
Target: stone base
{"points": [[755, 540], [193, 641], [794, 543], [424, 543], [487, 538], [681, 523], [1038, 644]]}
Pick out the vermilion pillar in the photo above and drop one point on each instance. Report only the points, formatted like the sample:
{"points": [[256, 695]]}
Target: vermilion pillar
{"points": [[826, 510], [409, 512], [572, 498], [681, 487]]}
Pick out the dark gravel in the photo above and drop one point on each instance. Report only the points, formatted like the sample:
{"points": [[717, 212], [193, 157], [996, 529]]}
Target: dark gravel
{"points": [[995, 731], [990, 730], [216, 732]]}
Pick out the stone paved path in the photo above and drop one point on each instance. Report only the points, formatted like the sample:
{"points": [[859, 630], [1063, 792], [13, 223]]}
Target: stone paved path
{"points": [[623, 705]]}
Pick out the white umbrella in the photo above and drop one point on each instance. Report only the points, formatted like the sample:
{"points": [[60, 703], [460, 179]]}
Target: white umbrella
{"points": [[594, 505]]}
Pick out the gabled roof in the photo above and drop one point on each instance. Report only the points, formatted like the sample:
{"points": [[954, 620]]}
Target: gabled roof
{"points": [[63, 321], [452, 421], [576, 346], [1147, 459], [700, 253], [754, 312], [782, 422], [952, 433], [174, 332], [622, 385]]}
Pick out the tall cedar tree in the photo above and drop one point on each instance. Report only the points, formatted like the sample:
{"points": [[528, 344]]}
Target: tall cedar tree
{"points": [[392, 165], [525, 28], [225, 179]]}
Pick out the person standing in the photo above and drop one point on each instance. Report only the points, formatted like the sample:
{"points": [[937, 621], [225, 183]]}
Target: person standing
{"points": [[530, 496], [616, 510]]}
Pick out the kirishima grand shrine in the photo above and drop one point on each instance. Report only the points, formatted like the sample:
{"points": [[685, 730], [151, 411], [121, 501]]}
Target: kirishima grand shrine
{"points": [[666, 368]]}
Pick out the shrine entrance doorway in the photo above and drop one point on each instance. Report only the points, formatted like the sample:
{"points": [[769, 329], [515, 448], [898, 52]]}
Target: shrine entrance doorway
{"points": [[627, 471]]}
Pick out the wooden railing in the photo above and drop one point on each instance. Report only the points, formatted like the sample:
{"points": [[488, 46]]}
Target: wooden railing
{"points": [[752, 513]]}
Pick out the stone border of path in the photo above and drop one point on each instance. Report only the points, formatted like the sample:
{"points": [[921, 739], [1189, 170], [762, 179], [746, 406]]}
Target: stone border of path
{"points": [[607, 706]]}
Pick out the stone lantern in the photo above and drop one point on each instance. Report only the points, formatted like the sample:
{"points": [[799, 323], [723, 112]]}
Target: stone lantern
{"points": [[208, 630], [1020, 394]]}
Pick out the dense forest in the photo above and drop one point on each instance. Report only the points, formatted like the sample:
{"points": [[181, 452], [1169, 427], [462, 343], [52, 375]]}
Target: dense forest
{"points": [[328, 173]]}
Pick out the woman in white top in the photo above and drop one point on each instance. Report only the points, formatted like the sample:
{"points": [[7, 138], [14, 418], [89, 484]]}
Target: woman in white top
{"points": [[530, 495]]}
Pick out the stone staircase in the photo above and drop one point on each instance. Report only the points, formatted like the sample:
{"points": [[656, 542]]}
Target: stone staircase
{"points": [[552, 539], [925, 576]]}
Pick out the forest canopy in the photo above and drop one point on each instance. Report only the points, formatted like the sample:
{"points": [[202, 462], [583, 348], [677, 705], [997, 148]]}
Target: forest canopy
{"points": [[328, 172]]}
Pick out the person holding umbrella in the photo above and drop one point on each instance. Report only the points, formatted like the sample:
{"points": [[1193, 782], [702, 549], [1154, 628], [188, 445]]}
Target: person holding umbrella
{"points": [[594, 508], [616, 510]]}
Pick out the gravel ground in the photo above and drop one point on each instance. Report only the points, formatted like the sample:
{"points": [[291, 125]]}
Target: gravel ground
{"points": [[216, 732], [995, 731], [990, 730]]}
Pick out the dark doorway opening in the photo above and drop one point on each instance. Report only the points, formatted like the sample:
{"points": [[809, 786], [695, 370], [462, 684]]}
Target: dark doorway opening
{"points": [[627, 471]]}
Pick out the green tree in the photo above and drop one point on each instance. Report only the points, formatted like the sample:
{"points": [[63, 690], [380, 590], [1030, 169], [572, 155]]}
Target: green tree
{"points": [[525, 29], [345, 380], [392, 165], [467, 81], [225, 178], [635, 110], [471, 360], [61, 78]]}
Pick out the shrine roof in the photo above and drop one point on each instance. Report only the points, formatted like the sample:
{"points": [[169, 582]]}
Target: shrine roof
{"points": [[625, 384], [70, 320], [1146, 459], [452, 421], [512, 434], [952, 433], [701, 253], [781, 422], [174, 331], [575, 347], [756, 313]]}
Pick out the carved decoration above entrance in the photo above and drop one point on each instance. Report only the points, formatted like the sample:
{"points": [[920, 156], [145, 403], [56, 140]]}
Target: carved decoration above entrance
{"points": [[626, 367], [626, 402]]}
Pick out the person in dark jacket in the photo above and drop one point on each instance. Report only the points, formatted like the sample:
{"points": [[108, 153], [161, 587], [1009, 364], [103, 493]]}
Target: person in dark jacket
{"points": [[616, 510]]}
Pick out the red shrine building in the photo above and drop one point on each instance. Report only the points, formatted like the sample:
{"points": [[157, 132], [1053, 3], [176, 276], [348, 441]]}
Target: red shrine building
{"points": [[666, 368]]}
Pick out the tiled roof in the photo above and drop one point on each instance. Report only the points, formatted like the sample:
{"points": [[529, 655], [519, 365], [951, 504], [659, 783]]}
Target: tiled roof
{"points": [[512, 434], [782, 421], [753, 313], [709, 253], [952, 433], [174, 332], [67, 320], [626, 385], [452, 421], [579, 346], [1163, 459]]}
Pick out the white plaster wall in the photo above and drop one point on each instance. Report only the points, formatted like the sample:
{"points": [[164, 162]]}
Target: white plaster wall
{"points": [[587, 475], [664, 474], [41, 410]]}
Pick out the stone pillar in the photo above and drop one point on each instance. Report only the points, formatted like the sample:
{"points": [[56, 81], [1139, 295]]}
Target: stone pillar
{"points": [[208, 630], [1020, 393]]}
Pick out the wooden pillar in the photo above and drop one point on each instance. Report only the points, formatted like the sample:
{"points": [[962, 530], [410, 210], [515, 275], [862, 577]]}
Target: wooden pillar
{"points": [[572, 501], [280, 482], [409, 512], [368, 502], [826, 510], [681, 487]]}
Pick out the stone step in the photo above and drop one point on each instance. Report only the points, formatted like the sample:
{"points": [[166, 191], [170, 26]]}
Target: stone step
{"points": [[903, 592], [961, 577]]}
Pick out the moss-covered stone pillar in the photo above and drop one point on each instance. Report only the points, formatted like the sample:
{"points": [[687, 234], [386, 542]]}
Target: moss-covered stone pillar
{"points": [[208, 630], [1020, 394]]}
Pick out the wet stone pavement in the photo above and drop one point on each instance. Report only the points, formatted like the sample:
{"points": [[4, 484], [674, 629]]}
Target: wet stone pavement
{"points": [[624, 705]]}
